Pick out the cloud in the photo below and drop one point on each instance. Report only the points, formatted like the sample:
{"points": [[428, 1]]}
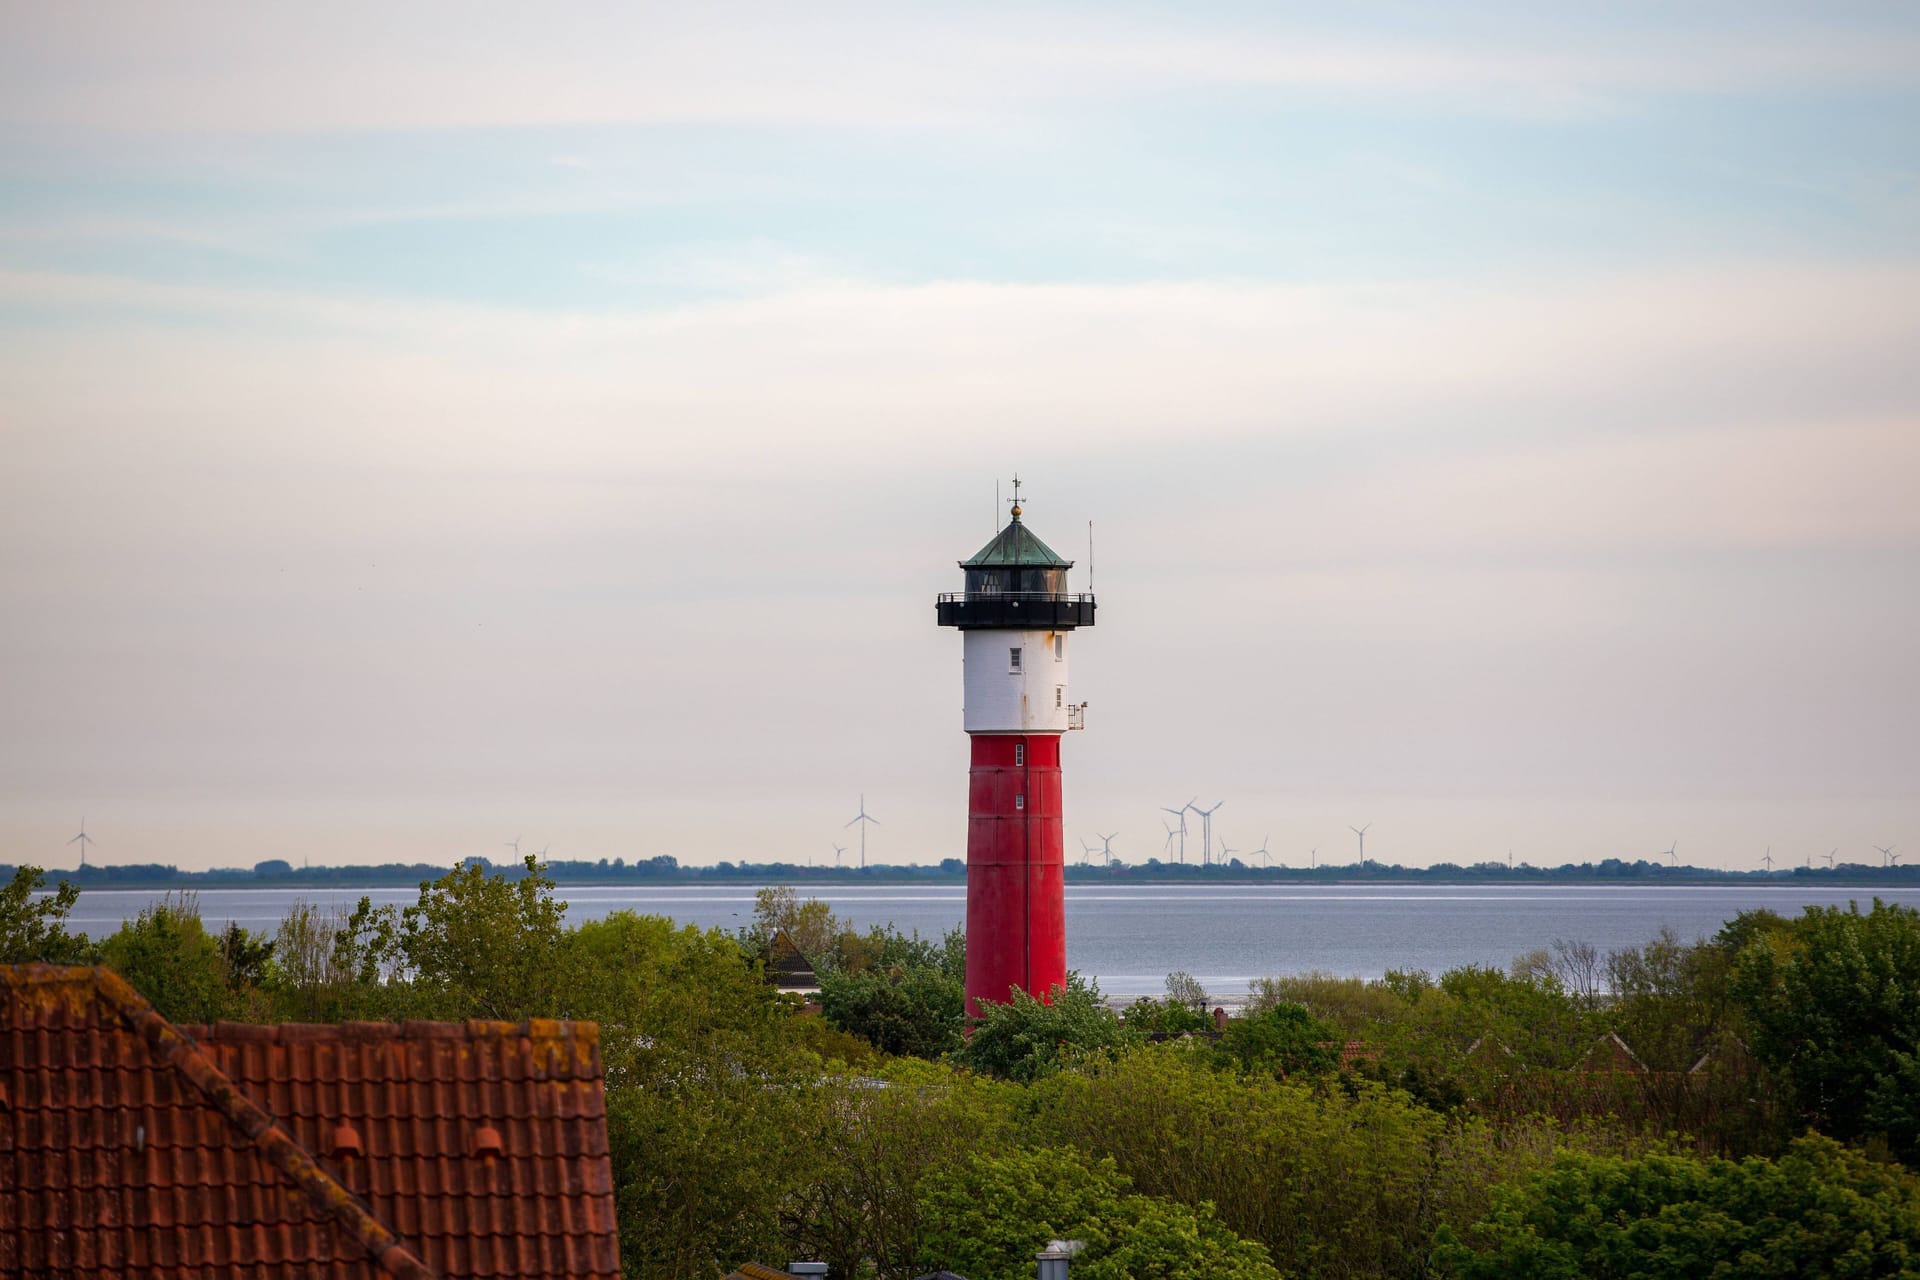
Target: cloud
{"points": [[233, 67]]}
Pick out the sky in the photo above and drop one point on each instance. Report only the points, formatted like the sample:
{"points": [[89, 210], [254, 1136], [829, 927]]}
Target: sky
{"points": [[427, 426]]}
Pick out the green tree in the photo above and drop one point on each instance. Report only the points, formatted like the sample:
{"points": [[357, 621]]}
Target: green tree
{"points": [[989, 1214], [810, 923], [1820, 1210], [475, 945], [35, 928], [915, 1011], [709, 1102], [1838, 1011], [308, 983], [1149, 1016], [1285, 1040], [168, 957], [1026, 1038]]}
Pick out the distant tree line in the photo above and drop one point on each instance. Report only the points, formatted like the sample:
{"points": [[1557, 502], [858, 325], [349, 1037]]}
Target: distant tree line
{"points": [[665, 869], [1741, 1105]]}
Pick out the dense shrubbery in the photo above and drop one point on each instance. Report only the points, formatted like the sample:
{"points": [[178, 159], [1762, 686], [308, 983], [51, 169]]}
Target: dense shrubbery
{"points": [[1476, 1133]]}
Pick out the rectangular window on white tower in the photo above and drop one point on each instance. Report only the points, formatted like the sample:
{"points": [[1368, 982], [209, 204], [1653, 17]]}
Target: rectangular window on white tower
{"points": [[1059, 694], [1013, 658], [1059, 648], [1020, 801], [1020, 755]]}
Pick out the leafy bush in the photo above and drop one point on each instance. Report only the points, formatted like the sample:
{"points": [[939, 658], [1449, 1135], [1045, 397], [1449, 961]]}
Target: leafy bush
{"points": [[1027, 1038], [915, 1011], [169, 957], [988, 1215], [1820, 1210], [1836, 1007]]}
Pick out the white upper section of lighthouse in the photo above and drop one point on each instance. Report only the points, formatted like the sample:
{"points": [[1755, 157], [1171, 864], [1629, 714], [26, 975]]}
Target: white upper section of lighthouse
{"points": [[1016, 681]]}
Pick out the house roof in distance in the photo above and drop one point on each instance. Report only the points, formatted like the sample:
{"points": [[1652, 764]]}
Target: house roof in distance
{"points": [[417, 1149]]}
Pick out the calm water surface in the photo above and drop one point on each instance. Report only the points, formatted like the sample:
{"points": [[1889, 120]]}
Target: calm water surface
{"points": [[1130, 938]]}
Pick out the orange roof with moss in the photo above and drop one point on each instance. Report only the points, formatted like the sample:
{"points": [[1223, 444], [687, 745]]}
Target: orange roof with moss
{"points": [[130, 1146]]}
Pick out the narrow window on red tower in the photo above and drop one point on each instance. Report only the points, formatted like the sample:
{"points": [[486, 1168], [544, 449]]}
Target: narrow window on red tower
{"points": [[1020, 755], [1020, 801], [1013, 658]]}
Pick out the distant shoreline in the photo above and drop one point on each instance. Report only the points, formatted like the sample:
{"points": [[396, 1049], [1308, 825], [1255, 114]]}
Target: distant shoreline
{"points": [[666, 873]]}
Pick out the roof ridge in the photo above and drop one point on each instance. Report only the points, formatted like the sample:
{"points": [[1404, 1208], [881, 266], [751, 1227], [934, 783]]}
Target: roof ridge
{"points": [[275, 1145]]}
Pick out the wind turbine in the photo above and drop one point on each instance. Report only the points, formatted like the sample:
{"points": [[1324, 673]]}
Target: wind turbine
{"points": [[1181, 813], [83, 840], [1362, 833], [1767, 858], [1086, 851], [1266, 859], [863, 819], [1106, 848], [543, 851], [1226, 853], [1829, 857], [837, 851], [1313, 858], [1173, 833], [1886, 851], [1673, 858], [1206, 828], [514, 844]]}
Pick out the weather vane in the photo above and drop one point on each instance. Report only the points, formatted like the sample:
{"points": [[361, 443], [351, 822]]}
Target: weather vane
{"points": [[1015, 500]]}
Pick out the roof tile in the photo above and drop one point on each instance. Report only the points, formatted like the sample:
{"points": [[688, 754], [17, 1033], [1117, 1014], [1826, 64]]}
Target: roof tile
{"points": [[129, 1163]]}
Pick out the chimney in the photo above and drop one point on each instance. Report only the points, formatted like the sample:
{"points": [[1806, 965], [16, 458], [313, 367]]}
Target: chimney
{"points": [[806, 1268], [1053, 1258]]}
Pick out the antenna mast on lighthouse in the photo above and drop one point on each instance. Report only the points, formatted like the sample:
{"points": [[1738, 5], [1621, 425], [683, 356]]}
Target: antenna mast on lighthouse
{"points": [[1015, 617]]}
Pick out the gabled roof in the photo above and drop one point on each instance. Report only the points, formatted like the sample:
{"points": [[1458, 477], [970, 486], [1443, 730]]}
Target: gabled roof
{"points": [[1016, 547], [1610, 1055], [420, 1149], [787, 966]]}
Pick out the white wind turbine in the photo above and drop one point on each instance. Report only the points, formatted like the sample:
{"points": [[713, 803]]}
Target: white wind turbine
{"points": [[1886, 852], [1106, 849], [83, 840], [1173, 833], [1266, 859], [1181, 814], [1086, 851], [863, 819], [1206, 828], [837, 851], [1362, 833]]}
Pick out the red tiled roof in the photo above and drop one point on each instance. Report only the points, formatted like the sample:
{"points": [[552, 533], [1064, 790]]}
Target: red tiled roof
{"points": [[131, 1147]]}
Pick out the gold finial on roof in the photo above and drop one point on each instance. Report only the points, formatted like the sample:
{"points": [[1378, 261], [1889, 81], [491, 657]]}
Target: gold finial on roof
{"points": [[1016, 496]]}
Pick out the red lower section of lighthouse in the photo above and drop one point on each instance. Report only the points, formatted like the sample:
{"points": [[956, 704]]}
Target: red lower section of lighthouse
{"points": [[1016, 868]]}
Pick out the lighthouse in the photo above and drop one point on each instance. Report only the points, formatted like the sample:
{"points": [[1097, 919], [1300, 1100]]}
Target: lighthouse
{"points": [[1015, 618]]}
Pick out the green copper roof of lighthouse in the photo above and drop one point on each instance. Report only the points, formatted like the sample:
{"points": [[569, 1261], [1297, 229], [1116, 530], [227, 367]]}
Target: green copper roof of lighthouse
{"points": [[1016, 547]]}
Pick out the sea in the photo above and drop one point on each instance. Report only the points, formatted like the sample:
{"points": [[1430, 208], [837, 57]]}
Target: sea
{"points": [[1129, 938]]}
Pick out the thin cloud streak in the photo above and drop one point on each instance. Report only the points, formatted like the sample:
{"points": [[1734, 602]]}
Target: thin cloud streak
{"points": [[244, 68]]}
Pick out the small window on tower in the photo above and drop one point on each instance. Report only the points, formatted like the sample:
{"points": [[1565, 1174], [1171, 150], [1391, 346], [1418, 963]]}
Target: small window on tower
{"points": [[1059, 694], [1013, 658], [1020, 801], [1020, 755], [1059, 648]]}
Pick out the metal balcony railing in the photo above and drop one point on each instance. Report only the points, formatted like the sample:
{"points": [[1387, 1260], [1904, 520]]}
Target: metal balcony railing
{"points": [[1077, 716], [1014, 597]]}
